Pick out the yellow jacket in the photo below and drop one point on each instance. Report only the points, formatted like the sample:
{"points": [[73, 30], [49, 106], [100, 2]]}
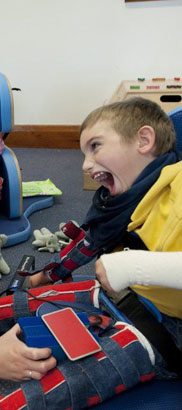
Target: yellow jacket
{"points": [[158, 222]]}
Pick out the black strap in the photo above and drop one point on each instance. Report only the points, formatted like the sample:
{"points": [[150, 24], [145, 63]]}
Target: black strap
{"points": [[154, 331], [132, 241]]}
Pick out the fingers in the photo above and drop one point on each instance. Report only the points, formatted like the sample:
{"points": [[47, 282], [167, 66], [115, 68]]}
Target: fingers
{"points": [[39, 361], [35, 353], [17, 359], [15, 330], [38, 279], [99, 268], [26, 369], [102, 276], [39, 368]]}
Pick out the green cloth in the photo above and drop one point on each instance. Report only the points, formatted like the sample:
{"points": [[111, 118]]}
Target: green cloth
{"points": [[35, 188]]}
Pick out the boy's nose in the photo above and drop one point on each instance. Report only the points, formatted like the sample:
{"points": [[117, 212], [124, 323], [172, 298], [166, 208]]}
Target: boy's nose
{"points": [[87, 164]]}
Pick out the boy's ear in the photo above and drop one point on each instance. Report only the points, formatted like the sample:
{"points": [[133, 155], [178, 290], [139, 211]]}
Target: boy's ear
{"points": [[146, 139]]}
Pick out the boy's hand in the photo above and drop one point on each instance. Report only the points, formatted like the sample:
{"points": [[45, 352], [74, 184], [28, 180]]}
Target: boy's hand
{"points": [[39, 279], [102, 276], [20, 362]]}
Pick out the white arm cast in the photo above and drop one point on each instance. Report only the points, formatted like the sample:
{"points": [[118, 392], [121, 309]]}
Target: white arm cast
{"points": [[135, 267]]}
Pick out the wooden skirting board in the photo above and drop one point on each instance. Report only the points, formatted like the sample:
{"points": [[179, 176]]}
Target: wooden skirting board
{"points": [[49, 136], [44, 136]]}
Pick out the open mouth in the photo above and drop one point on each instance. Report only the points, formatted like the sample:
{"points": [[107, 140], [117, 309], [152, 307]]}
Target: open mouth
{"points": [[106, 179]]}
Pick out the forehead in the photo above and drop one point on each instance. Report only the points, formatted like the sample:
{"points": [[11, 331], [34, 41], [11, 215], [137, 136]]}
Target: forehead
{"points": [[102, 129]]}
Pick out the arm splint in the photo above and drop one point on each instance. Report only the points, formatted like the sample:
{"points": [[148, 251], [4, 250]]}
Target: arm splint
{"points": [[74, 255]]}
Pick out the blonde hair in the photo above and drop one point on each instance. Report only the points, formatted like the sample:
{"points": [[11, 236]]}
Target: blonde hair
{"points": [[127, 117]]}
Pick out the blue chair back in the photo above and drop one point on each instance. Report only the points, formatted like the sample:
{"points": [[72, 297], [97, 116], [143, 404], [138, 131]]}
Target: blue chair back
{"points": [[6, 105], [176, 117]]}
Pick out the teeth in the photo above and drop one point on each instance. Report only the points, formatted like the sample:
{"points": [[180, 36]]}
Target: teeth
{"points": [[100, 175]]}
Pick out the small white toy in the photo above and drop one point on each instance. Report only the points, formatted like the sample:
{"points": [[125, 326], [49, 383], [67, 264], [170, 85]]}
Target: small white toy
{"points": [[45, 240], [4, 268]]}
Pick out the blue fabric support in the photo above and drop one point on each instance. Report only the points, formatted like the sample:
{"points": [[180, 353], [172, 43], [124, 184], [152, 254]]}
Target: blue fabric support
{"points": [[34, 388], [20, 305], [156, 395], [104, 385], [77, 384]]}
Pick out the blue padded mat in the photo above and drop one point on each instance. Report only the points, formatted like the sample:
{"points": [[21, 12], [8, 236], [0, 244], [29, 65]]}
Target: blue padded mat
{"points": [[19, 229]]}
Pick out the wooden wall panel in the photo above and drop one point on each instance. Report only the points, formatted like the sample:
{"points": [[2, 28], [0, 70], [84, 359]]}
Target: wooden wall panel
{"points": [[44, 136]]}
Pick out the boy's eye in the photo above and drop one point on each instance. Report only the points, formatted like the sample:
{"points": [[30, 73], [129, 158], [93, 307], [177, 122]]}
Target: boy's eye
{"points": [[94, 145]]}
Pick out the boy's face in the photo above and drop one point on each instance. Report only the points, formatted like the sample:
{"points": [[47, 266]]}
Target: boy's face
{"points": [[110, 160]]}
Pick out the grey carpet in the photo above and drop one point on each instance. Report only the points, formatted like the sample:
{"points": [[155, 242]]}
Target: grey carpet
{"points": [[64, 168]]}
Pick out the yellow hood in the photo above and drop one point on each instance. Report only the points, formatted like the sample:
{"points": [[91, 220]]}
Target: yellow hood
{"points": [[158, 217]]}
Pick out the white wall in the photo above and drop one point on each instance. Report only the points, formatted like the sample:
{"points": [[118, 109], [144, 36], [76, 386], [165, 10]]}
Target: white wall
{"points": [[68, 56]]}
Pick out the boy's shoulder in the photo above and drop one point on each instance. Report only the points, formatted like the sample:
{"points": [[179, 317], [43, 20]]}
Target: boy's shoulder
{"points": [[170, 172], [166, 188]]}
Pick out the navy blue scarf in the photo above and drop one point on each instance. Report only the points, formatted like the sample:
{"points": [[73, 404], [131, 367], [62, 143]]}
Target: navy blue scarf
{"points": [[108, 217]]}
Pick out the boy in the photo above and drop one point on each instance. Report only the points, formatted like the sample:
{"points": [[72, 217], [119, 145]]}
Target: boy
{"points": [[129, 147]]}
